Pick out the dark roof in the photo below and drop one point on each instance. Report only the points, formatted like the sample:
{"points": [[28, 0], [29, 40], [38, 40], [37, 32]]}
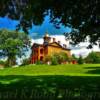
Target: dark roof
{"points": [[36, 45], [56, 43], [50, 44]]}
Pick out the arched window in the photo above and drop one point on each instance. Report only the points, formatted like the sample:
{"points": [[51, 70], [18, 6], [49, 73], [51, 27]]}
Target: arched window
{"points": [[41, 51], [41, 58]]}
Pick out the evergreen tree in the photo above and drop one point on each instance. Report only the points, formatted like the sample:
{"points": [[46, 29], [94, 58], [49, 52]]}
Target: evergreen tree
{"points": [[80, 60]]}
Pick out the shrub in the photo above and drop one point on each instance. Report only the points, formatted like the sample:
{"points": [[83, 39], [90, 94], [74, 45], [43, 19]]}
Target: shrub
{"points": [[25, 62], [39, 62], [54, 60], [47, 58], [63, 57], [2, 62], [58, 58]]}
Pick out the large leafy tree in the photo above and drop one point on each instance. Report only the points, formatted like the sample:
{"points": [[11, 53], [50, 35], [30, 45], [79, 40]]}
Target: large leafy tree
{"points": [[93, 57], [83, 16], [58, 58], [13, 44]]}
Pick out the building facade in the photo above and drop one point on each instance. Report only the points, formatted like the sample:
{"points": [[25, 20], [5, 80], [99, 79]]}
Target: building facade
{"points": [[48, 48]]}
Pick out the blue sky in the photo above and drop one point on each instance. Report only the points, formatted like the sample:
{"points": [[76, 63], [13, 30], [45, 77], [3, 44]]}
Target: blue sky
{"points": [[39, 31], [36, 31], [8, 23]]}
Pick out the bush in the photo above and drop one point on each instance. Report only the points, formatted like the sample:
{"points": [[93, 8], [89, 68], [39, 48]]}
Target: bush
{"points": [[58, 58], [39, 62], [47, 58], [25, 62], [63, 57], [54, 60], [2, 62]]}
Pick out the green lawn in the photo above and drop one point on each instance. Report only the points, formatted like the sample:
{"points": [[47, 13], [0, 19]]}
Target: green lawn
{"points": [[68, 70], [53, 80]]}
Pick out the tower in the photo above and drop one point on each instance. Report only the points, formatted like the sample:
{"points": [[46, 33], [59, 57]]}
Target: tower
{"points": [[47, 38]]}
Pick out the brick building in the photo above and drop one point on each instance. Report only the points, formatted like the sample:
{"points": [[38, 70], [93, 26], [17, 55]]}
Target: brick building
{"points": [[40, 51]]}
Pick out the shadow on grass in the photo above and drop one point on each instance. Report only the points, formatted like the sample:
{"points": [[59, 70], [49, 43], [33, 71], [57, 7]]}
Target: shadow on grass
{"points": [[93, 70], [92, 67], [50, 87]]}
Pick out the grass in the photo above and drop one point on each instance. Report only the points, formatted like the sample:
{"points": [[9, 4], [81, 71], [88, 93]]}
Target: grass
{"points": [[70, 70], [53, 80]]}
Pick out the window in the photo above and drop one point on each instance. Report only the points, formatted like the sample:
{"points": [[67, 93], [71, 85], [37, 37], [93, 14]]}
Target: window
{"points": [[41, 58], [41, 51]]}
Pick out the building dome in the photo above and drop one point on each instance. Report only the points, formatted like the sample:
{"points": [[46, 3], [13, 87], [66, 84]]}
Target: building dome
{"points": [[46, 34], [47, 38]]}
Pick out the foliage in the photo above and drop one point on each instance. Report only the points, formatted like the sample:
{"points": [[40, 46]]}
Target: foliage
{"points": [[63, 57], [83, 16], [80, 60], [39, 62], [54, 59], [93, 57], [47, 58], [58, 58], [25, 62], [74, 57], [2, 62], [13, 44]]}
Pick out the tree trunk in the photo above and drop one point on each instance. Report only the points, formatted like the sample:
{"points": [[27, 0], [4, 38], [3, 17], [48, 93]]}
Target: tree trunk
{"points": [[11, 61]]}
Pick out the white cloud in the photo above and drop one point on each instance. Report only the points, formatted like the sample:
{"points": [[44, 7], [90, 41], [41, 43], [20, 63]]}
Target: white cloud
{"points": [[81, 49], [58, 38], [78, 50]]}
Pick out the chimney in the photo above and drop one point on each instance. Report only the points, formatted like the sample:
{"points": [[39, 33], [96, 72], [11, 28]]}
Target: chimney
{"points": [[59, 42], [64, 45], [54, 39]]}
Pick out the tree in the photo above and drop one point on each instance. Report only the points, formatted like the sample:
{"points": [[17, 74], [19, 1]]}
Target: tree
{"points": [[93, 57], [83, 16], [58, 58], [80, 60], [74, 57], [63, 57], [25, 61], [13, 44]]}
